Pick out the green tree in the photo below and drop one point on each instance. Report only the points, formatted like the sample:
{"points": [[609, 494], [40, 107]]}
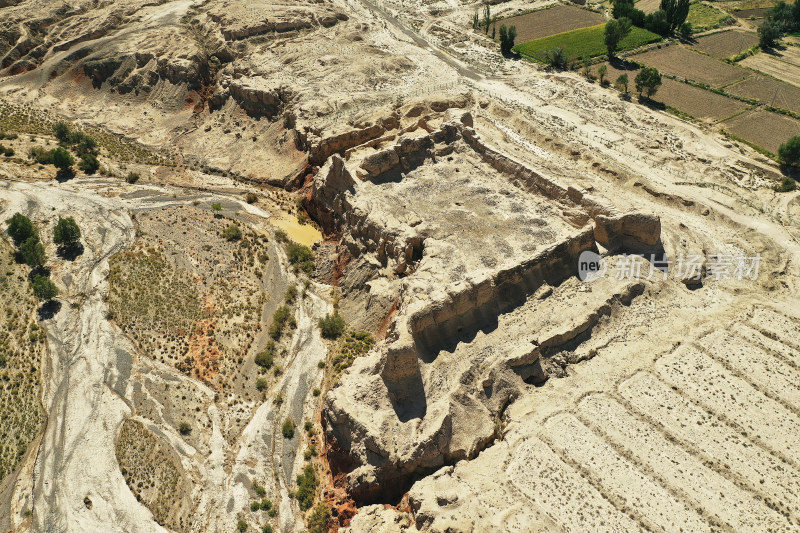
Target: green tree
{"points": [[67, 233], [20, 229], [287, 429], [61, 131], [616, 30], [768, 34], [32, 252], [602, 70], [789, 152], [507, 38], [647, 81], [89, 163], [556, 58], [487, 19], [62, 159], [43, 288], [622, 83], [332, 326], [318, 518], [265, 357]]}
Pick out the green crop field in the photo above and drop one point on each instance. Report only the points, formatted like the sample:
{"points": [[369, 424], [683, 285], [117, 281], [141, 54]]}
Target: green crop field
{"points": [[584, 42]]}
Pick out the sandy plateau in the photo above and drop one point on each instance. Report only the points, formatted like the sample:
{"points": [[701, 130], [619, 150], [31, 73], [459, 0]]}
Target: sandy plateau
{"points": [[380, 166]]}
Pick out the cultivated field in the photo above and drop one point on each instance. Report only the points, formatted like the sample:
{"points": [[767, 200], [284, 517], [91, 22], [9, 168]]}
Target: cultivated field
{"points": [[764, 129], [697, 102], [648, 6], [697, 442], [704, 17], [685, 63], [768, 91], [585, 42], [556, 19], [786, 67], [726, 43]]}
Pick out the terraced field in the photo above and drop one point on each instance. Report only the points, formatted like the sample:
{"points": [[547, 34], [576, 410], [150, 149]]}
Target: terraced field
{"points": [[726, 43], [764, 129], [690, 65], [695, 441]]}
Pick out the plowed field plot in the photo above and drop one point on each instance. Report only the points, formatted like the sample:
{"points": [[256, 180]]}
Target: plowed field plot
{"points": [[726, 43], [557, 19], [685, 63], [782, 66], [768, 91], [648, 6], [764, 129], [697, 102]]}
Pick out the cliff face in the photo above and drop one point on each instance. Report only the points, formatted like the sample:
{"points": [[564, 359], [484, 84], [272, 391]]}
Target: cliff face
{"points": [[435, 391]]}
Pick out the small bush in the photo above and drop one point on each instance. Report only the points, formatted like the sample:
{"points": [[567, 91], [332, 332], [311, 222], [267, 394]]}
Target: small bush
{"points": [[319, 517], [20, 229], [287, 429], [41, 155], [281, 236], [787, 185], [67, 232], [62, 159], [301, 257], [789, 152], [241, 526], [306, 487], [267, 529], [265, 357], [43, 288], [255, 506], [232, 233], [332, 326], [291, 294], [556, 58], [316, 392], [89, 163], [279, 319], [184, 428], [8, 151], [266, 505], [259, 490], [132, 177], [61, 131], [261, 384], [250, 198]]}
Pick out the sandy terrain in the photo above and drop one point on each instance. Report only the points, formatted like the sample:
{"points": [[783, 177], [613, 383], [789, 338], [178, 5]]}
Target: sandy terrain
{"points": [[454, 191]]}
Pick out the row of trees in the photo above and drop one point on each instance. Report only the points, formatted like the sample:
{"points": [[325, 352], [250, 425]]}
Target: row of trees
{"points": [[31, 250], [781, 19], [507, 34], [669, 19]]}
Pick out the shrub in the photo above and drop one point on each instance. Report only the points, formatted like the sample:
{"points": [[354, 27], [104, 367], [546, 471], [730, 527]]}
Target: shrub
{"points": [[85, 145], [279, 319], [685, 30], [255, 506], [61, 131], [261, 384], [556, 58], [43, 288], [316, 392], [251, 198], [232, 233], [184, 428], [648, 81], [241, 526], [67, 232], [259, 490], [789, 152], [300, 256], [41, 155], [62, 159], [332, 326], [287, 429], [319, 517], [89, 163], [306, 487], [265, 357], [291, 294], [8, 151], [266, 505], [132, 177], [787, 185], [20, 229], [267, 529], [32, 252]]}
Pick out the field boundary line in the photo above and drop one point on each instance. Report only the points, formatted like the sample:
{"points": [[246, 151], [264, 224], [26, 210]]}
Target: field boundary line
{"points": [[676, 492], [708, 460]]}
